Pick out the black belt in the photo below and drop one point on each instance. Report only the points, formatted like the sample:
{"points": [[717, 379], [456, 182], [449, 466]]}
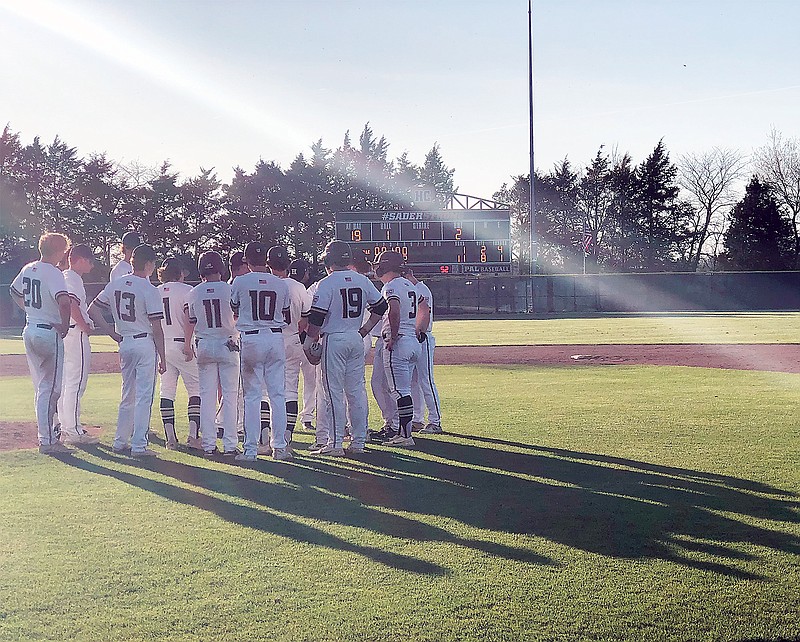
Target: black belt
{"points": [[74, 325], [276, 330], [180, 340], [44, 326], [141, 335]]}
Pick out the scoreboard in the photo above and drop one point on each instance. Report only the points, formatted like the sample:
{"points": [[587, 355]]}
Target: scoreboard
{"points": [[433, 242]]}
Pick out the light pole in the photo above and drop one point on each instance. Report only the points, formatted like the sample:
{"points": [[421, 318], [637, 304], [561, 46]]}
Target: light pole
{"points": [[531, 195]]}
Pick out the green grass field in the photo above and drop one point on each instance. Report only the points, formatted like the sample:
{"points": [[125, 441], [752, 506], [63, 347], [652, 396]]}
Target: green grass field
{"points": [[624, 503], [682, 327]]}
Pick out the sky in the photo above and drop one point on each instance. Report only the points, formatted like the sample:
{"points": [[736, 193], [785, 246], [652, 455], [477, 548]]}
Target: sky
{"points": [[218, 84]]}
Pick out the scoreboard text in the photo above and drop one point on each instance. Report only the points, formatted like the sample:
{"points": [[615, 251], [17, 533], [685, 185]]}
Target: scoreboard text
{"points": [[438, 242]]}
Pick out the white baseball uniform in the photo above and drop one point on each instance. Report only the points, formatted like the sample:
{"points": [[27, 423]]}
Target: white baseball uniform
{"points": [[261, 301], [77, 362], [134, 304], [40, 284], [340, 300], [309, 377], [210, 311], [122, 268], [423, 388], [399, 362]]}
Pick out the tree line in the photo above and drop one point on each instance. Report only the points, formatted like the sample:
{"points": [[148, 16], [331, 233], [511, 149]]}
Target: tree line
{"points": [[714, 210]]}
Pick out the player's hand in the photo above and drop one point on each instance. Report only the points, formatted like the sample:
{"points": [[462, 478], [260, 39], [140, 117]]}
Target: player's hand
{"points": [[188, 352], [422, 337], [61, 328], [390, 343], [116, 336], [162, 366]]}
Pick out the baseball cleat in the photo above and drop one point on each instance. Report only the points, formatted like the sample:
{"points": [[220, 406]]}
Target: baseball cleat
{"points": [[144, 453], [417, 426], [282, 454], [329, 451], [172, 444], [56, 448], [243, 457], [84, 439], [400, 441], [308, 426], [210, 453], [120, 450], [432, 429], [354, 450], [263, 449], [232, 453], [194, 443], [316, 446]]}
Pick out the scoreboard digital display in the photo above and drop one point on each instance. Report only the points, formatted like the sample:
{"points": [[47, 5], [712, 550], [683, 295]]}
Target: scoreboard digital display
{"points": [[433, 242]]}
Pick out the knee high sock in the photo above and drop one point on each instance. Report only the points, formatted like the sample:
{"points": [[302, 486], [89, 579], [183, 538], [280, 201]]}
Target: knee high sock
{"points": [[194, 416], [168, 417], [291, 419], [264, 423], [405, 408]]}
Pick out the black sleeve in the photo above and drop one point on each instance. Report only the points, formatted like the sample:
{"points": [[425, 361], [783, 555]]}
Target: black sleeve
{"points": [[379, 307]]}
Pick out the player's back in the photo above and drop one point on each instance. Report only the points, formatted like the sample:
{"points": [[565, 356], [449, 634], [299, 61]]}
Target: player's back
{"points": [[173, 298], [299, 302], [39, 284], [343, 296], [424, 292], [134, 302], [260, 299], [210, 310], [403, 291]]}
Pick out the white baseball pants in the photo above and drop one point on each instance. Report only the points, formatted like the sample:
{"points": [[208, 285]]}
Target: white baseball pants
{"points": [[294, 360], [309, 390], [343, 379], [263, 359], [399, 364], [381, 391], [138, 360], [44, 350], [218, 369], [178, 366], [423, 389], [77, 363]]}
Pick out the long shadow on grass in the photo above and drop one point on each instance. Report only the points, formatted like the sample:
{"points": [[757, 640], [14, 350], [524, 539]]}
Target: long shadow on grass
{"points": [[253, 517], [314, 489]]}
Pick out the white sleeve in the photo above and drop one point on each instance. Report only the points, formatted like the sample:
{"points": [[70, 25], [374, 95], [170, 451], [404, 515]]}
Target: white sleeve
{"points": [[153, 304]]}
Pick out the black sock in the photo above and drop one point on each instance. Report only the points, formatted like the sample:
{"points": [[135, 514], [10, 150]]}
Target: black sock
{"points": [[291, 419], [194, 417], [265, 417], [405, 408], [168, 417]]}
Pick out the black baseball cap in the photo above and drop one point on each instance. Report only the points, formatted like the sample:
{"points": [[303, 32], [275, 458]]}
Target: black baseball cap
{"points": [[278, 257], [237, 260], [142, 254], [255, 253], [298, 268]]}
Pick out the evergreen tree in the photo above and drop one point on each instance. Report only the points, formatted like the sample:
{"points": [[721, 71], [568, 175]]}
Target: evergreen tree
{"points": [[759, 237], [434, 172]]}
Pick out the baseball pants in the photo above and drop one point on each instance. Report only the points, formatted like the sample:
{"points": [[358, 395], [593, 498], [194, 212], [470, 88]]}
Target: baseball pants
{"points": [[399, 365], [138, 360], [77, 362], [343, 380], [322, 428], [423, 389], [218, 368], [44, 350], [381, 391], [309, 390], [263, 360], [177, 366]]}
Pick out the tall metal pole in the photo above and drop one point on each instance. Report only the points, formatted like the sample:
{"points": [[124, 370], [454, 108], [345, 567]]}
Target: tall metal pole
{"points": [[531, 195]]}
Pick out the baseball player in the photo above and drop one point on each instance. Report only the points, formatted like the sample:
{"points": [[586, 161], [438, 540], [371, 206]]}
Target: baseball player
{"points": [[312, 388], [336, 313], [401, 346], [208, 308], [300, 271], [173, 292], [236, 266], [77, 351], [130, 240], [299, 305], [40, 291], [423, 388], [137, 310], [260, 302]]}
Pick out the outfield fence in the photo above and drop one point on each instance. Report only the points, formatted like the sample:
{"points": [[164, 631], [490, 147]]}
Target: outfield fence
{"points": [[579, 294]]}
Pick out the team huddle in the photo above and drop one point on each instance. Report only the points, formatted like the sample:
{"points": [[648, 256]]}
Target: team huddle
{"points": [[239, 347]]}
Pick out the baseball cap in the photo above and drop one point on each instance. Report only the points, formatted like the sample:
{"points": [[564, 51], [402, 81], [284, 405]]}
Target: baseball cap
{"points": [[211, 262], [278, 257], [237, 260], [298, 268], [388, 261], [255, 253], [337, 253], [131, 240]]}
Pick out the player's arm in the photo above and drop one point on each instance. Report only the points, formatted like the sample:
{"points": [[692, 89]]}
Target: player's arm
{"points": [[188, 330], [376, 312], [64, 310], [17, 298], [320, 305], [77, 317], [423, 318], [394, 322], [97, 311], [158, 339]]}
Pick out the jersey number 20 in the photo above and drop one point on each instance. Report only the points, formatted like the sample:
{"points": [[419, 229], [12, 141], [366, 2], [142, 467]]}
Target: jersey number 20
{"points": [[32, 292]]}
